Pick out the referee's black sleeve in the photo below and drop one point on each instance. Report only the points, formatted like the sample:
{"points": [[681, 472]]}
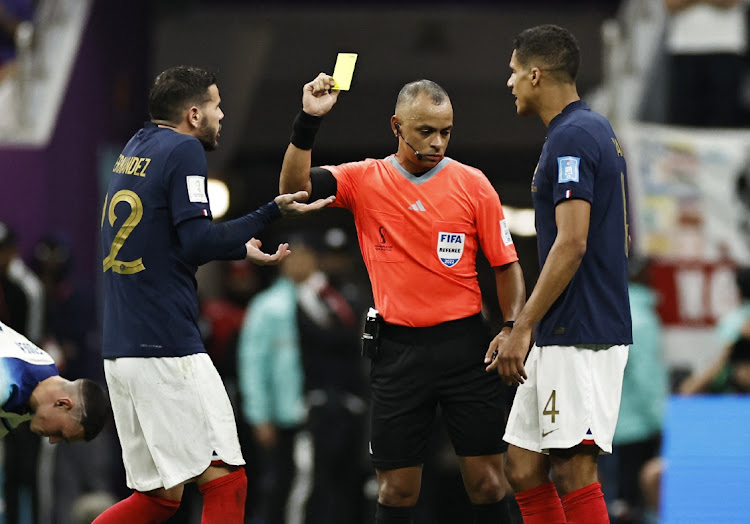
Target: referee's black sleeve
{"points": [[323, 183]]}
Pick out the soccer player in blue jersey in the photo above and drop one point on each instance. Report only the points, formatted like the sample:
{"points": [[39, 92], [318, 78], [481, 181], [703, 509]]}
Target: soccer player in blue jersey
{"points": [[31, 389], [565, 410], [172, 412]]}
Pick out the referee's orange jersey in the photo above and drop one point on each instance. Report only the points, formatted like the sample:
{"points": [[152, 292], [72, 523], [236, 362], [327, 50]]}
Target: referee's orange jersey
{"points": [[419, 236]]}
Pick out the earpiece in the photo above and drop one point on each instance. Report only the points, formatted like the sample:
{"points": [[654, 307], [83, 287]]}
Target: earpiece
{"points": [[399, 134]]}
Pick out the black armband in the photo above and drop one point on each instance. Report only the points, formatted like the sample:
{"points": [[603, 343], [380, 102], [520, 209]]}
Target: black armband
{"points": [[507, 323], [323, 183], [304, 130]]}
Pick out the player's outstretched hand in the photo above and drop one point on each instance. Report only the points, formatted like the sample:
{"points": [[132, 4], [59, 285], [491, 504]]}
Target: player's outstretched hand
{"points": [[256, 256], [317, 97], [293, 204]]}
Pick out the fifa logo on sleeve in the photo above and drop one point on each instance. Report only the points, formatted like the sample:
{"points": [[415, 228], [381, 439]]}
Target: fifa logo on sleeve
{"points": [[567, 169], [505, 232]]}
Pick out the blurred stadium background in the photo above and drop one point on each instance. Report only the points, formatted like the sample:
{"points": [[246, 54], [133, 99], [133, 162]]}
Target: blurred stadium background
{"points": [[77, 89]]}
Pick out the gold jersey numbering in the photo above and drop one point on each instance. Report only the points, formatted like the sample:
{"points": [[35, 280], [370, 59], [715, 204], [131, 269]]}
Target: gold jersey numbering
{"points": [[133, 219], [549, 407]]}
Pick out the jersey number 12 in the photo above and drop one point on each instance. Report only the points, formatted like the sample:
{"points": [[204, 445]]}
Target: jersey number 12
{"points": [[136, 214]]}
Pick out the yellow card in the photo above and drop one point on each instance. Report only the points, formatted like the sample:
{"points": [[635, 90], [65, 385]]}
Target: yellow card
{"points": [[344, 70]]}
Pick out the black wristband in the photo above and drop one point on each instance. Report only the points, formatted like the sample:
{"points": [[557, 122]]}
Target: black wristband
{"points": [[507, 323], [304, 130]]}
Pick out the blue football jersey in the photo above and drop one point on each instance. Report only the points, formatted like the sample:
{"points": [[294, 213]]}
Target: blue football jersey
{"points": [[23, 365], [150, 291], [582, 159]]}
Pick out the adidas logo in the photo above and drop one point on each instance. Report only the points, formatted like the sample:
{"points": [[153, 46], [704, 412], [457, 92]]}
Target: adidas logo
{"points": [[417, 206]]}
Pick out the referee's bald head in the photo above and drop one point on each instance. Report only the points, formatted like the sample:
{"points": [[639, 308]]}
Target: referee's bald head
{"points": [[414, 90]]}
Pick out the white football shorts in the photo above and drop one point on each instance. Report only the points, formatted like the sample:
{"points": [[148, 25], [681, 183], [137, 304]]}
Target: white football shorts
{"points": [[173, 417], [571, 395]]}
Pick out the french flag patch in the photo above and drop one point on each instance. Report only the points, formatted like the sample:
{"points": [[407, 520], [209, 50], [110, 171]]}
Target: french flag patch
{"points": [[568, 194], [205, 211]]}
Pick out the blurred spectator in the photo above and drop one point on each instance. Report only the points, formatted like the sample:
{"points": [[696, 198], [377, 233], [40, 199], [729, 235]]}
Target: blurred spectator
{"points": [[728, 373], [335, 388], [732, 330], [650, 482], [21, 308], [301, 336], [271, 381], [342, 263], [69, 320], [729, 327], [706, 48], [644, 391], [12, 14], [223, 316], [21, 292]]}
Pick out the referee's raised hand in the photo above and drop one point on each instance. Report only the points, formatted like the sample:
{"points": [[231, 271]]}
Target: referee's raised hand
{"points": [[318, 95], [294, 204]]}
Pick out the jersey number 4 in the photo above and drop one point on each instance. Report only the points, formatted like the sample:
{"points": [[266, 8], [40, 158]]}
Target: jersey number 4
{"points": [[549, 408], [136, 214]]}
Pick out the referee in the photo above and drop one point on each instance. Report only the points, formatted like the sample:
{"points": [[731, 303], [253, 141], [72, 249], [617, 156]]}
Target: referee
{"points": [[421, 218]]}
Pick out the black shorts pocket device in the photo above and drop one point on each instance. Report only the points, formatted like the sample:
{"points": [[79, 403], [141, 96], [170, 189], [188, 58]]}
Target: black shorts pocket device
{"points": [[371, 334]]}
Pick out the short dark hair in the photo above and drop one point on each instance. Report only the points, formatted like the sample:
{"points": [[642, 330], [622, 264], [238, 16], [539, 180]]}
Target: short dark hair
{"points": [[95, 412], [177, 88], [412, 90], [556, 48]]}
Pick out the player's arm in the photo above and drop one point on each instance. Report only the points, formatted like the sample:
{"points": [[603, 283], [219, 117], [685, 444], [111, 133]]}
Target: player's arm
{"points": [[203, 241], [700, 381], [572, 219], [317, 101]]}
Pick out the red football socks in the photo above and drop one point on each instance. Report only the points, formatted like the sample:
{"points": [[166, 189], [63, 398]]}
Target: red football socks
{"points": [[141, 508], [224, 499], [586, 505], [541, 505]]}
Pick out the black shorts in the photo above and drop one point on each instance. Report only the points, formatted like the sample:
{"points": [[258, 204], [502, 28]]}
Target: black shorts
{"points": [[418, 369]]}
